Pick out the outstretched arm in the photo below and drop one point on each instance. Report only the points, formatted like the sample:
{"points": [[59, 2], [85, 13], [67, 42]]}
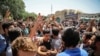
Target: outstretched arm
{"points": [[36, 24]]}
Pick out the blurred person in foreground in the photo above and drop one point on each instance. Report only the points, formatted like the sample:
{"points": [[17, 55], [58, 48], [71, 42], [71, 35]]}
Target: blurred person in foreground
{"points": [[71, 39], [4, 38], [96, 46], [24, 46]]}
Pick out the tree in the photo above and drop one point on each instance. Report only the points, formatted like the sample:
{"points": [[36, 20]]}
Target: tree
{"points": [[33, 14], [27, 14], [16, 7]]}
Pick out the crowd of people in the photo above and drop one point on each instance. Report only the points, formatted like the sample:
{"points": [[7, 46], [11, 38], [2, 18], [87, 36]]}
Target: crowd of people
{"points": [[49, 38]]}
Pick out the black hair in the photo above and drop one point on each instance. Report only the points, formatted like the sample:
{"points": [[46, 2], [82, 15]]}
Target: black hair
{"points": [[70, 37], [46, 31], [55, 32], [88, 35], [14, 33], [5, 25]]}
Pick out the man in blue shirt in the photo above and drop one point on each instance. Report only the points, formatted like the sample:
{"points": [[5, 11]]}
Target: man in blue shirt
{"points": [[4, 39], [2, 44], [71, 38]]}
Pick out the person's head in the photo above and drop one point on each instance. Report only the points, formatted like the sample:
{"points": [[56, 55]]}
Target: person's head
{"points": [[24, 45], [88, 35], [15, 24], [55, 32], [14, 33], [23, 25], [82, 26], [70, 37], [88, 38], [5, 26], [46, 34]]}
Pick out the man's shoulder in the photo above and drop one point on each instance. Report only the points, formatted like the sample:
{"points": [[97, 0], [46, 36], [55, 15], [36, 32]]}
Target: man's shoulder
{"points": [[83, 52], [1, 37]]}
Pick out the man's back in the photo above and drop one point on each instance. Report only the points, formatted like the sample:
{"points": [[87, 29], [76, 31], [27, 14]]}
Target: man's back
{"points": [[73, 52]]}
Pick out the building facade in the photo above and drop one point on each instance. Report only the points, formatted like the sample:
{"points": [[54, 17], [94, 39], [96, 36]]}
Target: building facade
{"points": [[86, 15], [67, 14], [74, 15]]}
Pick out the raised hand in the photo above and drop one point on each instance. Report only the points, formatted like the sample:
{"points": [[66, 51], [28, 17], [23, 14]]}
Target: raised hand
{"points": [[36, 24], [7, 14]]}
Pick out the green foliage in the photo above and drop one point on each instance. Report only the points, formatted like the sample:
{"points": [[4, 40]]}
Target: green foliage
{"points": [[26, 14], [16, 7]]}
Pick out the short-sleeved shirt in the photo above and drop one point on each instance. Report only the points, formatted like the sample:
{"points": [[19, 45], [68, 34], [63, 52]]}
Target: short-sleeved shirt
{"points": [[56, 43], [73, 52], [47, 44], [2, 43]]}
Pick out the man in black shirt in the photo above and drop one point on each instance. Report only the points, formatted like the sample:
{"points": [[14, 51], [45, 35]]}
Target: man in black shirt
{"points": [[45, 48]]}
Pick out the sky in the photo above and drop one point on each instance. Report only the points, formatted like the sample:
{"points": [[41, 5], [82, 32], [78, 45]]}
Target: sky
{"points": [[44, 6]]}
